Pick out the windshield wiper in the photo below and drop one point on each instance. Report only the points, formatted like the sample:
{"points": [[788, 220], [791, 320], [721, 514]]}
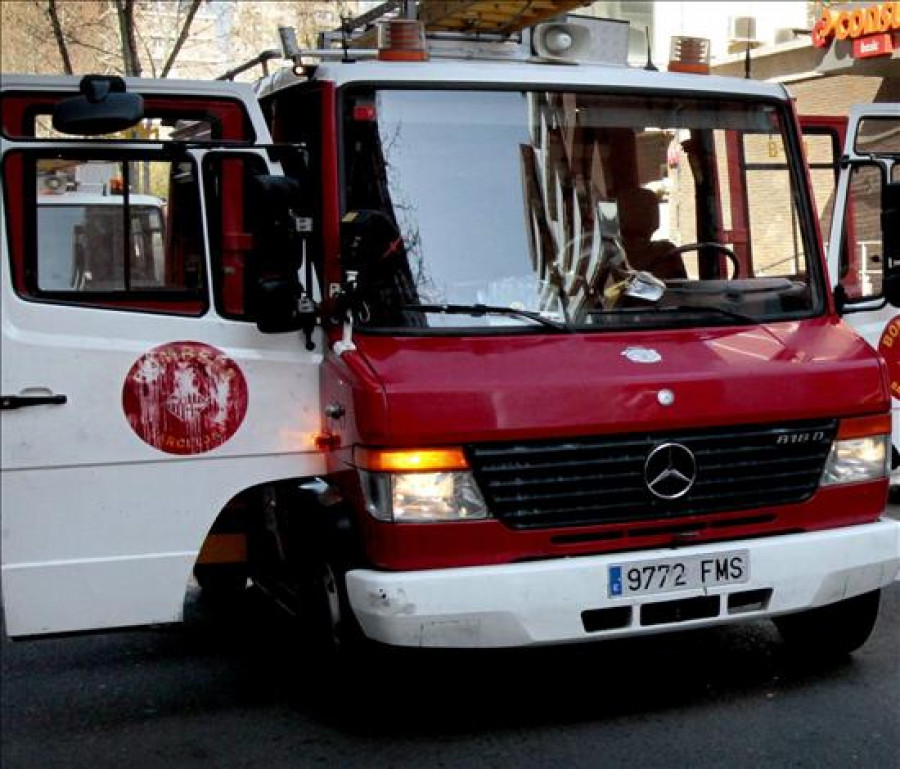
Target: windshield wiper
{"points": [[680, 308], [478, 310], [733, 314]]}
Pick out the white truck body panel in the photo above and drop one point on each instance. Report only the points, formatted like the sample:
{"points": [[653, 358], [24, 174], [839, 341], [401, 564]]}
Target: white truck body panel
{"points": [[873, 323], [99, 528], [441, 73]]}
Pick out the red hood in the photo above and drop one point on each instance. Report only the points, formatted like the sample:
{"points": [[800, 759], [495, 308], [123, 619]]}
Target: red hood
{"points": [[445, 390]]}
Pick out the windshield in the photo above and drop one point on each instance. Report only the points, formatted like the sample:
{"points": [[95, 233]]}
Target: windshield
{"points": [[484, 209]]}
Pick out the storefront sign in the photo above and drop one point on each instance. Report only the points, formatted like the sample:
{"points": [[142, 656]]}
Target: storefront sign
{"points": [[857, 24], [874, 45]]}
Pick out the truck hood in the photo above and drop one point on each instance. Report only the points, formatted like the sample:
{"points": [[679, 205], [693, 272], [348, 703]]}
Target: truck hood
{"points": [[445, 390]]}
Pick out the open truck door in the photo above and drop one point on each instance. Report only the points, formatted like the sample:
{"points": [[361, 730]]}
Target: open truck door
{"points": [[863, 235], [140, 393]]}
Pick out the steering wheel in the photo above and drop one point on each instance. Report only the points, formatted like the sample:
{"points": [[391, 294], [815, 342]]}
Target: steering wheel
{"points": [[732, 257]]}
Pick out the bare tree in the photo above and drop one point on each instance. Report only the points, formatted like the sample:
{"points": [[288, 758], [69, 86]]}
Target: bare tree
{"points": [[53, 13], [95, 35], [158, 38], [182, 36], [130, 57]]}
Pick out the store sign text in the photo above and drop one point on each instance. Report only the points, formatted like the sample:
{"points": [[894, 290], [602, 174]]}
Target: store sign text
{"points": [[856, 23], [875, 45]]}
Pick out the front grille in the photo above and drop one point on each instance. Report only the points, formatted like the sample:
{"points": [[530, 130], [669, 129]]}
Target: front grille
{"points": [[600, 479]]}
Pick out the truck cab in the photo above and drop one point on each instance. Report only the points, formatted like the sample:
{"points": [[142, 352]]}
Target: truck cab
{"points": [[584, 340], [860, 238]]}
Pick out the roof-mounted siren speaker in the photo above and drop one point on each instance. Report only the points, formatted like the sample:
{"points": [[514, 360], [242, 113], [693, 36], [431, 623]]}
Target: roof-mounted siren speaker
{"points": [[583, 39]]}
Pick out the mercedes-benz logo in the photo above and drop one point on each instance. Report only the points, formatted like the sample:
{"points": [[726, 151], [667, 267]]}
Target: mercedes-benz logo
{"points": [[670, 471]]}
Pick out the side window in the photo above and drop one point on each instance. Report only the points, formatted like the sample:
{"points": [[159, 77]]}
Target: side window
{"points": [[863, 247], [775, 235], [235, 235], [122, 234], [823, 152]]}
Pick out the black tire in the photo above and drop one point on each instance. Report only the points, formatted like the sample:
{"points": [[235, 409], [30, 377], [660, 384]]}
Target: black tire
{"points": [[832, 631], [330, 629], [221, 581]]}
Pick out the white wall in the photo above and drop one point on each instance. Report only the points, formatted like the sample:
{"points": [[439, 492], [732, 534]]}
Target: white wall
{"points": [[712, 20]]}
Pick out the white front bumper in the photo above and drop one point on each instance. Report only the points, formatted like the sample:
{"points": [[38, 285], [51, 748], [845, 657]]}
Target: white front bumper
{"points": [[541, 602]]}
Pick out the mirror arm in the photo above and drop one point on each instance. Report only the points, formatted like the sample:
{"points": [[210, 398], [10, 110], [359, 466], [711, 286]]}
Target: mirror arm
{"points": [[306, 307], [344, 312]]}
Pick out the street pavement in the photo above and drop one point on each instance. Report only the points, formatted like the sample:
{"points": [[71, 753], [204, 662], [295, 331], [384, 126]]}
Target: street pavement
{"points": [[220, 692]]}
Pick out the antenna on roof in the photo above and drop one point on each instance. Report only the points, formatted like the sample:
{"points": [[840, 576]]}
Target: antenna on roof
{"points": [[649, 66], [346, 27]]}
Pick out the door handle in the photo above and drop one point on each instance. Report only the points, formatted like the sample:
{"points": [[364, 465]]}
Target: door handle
{"points": [[20, 401]]}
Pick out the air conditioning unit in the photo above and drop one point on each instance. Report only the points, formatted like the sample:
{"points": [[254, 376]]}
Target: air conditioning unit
{"points": [[785, 35], [742, 33], [742, 29]]}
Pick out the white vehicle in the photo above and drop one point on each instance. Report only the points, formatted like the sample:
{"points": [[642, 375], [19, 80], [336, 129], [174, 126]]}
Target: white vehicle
{"points": [[84, 235], [500, 348], [870, 163]]}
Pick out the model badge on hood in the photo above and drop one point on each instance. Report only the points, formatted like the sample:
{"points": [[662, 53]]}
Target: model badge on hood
{"points": [[642, 355]]}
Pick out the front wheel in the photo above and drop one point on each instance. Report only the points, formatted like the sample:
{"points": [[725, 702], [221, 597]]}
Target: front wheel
{"points": [[831, 631], [331, 630]]}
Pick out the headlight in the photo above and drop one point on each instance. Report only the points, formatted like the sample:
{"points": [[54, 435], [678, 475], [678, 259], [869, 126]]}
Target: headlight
{"points": [[858, 459], [417, 486], [423, 497]]}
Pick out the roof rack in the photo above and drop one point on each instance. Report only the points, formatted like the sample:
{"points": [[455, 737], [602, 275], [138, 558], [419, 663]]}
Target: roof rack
{"points": [[261, 60], [472, 19]]}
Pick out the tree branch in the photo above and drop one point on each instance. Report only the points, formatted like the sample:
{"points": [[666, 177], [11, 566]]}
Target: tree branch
{"points": [[182, 36], [148, 53], [131, 59], [53, 13]]}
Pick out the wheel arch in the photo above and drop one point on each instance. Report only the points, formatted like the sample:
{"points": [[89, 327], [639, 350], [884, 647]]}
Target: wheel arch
{"points": [[259, 524]]}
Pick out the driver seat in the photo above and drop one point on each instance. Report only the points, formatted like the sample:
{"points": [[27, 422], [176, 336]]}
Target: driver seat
{"points": [[638, 220]]}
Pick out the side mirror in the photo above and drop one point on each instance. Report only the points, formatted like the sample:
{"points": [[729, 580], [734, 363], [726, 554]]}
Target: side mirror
{"points": [[103, 107], [277, 305], [890, 234], [279, 301], [367, 236], [378, 279]]}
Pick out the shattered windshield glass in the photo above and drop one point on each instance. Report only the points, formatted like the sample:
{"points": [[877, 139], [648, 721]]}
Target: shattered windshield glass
{"points": [[540, 210]]}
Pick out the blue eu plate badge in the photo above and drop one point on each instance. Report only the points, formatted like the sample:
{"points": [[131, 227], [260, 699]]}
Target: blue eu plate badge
{"points": [[615, 580]]}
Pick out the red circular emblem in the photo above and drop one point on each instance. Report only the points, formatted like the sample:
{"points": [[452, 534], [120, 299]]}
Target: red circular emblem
{"points": [[185, 397], [889, 347]]}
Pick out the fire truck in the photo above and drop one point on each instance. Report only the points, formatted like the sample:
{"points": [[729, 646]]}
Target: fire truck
{"points": [[464, 334], [853, 239]]}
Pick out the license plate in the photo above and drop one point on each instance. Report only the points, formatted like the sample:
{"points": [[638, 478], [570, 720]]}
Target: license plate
{"points": [[667, 574]]}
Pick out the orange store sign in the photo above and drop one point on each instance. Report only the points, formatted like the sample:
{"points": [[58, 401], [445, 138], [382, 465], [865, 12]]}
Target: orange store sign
{"points": [[878, 19]]}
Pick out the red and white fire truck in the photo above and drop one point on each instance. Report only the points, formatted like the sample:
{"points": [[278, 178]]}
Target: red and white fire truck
{"points": [[853, 239], [470, 343]]}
